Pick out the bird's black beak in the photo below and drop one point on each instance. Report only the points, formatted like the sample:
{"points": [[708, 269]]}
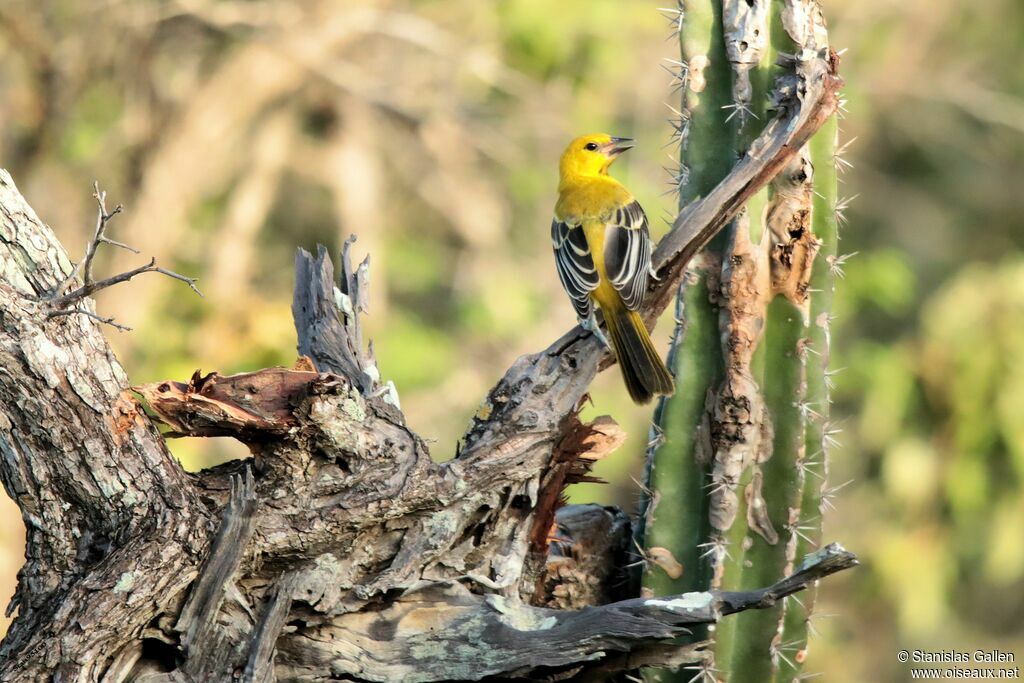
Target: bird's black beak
{"points": [[617, 146]]}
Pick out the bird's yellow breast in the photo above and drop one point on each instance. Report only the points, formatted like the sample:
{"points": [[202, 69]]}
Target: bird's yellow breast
{"points": [[605, 295], [592, 197], [590, 201], [593, 230]]}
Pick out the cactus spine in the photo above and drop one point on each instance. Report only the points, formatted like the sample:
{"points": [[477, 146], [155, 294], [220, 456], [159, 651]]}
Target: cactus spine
{"points": [[737, 455]]}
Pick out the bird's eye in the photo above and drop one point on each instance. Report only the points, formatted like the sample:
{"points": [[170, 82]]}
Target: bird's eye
{"points": [[590, 146]]}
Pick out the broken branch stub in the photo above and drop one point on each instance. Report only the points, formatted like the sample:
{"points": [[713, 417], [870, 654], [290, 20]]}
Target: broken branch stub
{"points": [[327, 316]]}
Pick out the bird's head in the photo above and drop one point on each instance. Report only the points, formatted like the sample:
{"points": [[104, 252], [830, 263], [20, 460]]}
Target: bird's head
{"points": [[590, 155]]}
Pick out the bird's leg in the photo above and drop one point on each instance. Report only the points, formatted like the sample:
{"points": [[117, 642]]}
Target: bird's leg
{"points": [[590, 325]]}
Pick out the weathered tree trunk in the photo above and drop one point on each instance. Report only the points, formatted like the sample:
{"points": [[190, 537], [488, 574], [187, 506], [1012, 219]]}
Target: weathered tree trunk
{"points": [[340, 550]]}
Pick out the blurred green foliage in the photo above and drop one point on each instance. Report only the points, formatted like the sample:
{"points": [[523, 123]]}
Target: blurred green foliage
{"points": [[234, 131]]}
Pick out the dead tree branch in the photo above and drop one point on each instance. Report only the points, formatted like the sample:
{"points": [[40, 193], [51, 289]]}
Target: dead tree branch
{"points": [[511, 639]]}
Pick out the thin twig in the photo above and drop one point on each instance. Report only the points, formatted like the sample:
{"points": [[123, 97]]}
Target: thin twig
{"points": [[102, 218], [90, 314], [90, 286]]}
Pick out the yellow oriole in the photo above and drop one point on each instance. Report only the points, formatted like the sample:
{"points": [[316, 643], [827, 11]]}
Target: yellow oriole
{"points": [[603, 255]]}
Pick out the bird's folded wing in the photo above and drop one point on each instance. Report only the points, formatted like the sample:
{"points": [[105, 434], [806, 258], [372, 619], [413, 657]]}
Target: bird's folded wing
{"points": [[575, 265], [627, 253]]}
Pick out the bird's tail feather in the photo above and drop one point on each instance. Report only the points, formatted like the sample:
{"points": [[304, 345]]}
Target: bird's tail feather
{"points": [[643, 370]]}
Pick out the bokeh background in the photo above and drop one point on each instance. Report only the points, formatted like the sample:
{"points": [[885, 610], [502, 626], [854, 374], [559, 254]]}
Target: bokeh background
{"points": [[234, 131]]}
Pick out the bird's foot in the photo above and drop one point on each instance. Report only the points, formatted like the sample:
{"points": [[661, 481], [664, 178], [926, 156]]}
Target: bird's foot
{"points": [[590, 325]]}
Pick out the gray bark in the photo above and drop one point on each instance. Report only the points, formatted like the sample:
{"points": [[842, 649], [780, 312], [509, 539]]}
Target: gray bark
{"points": [[341, 550]]}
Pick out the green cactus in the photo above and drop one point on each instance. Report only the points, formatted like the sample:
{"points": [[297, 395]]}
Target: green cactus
{"points": [[792, 648], [739, 450], [696, 355]]}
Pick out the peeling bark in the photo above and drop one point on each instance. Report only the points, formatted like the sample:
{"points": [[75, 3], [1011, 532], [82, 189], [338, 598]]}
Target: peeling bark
{"points": [[793, 244], [738, 421]]}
